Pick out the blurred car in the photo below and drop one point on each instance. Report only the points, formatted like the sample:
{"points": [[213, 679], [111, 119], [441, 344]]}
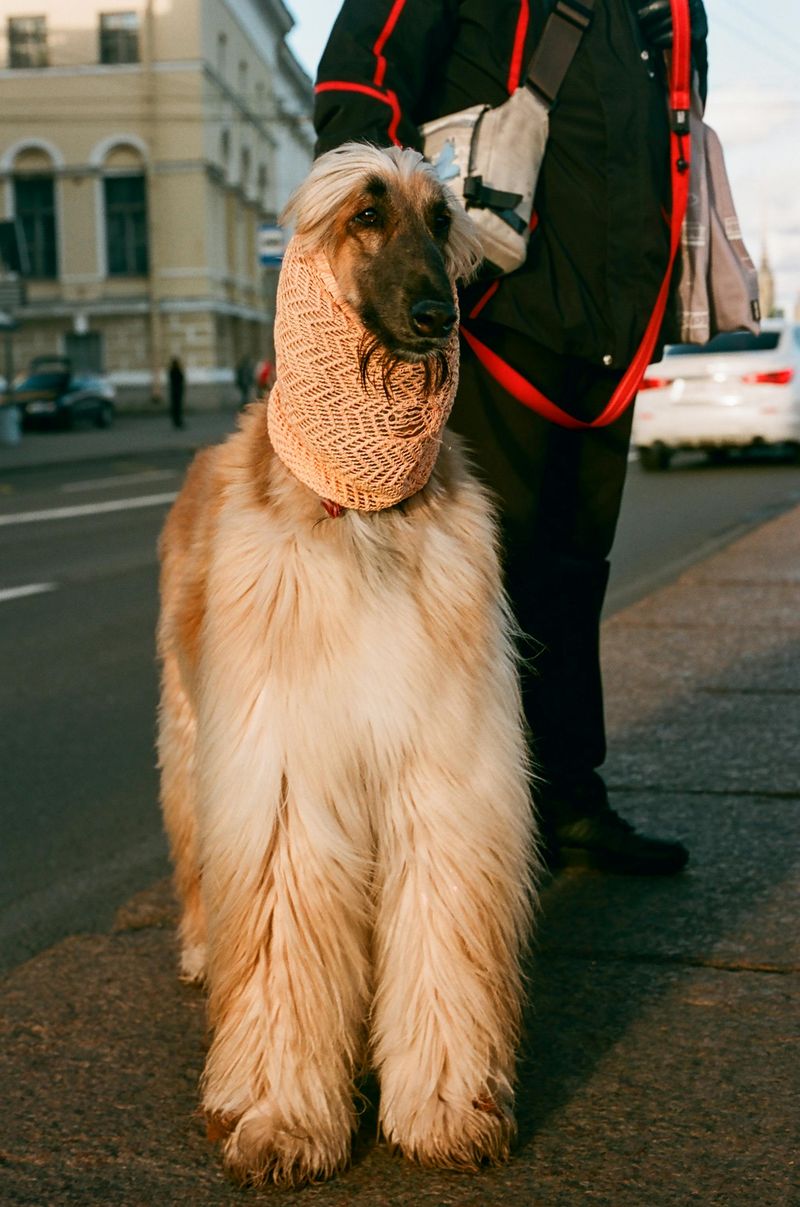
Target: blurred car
{"points": [[737, 391], [51, 393]]}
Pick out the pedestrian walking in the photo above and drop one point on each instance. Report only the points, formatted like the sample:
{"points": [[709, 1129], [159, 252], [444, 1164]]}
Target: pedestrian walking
{"points": [[177, 383], [568, 321], [265, 375]]}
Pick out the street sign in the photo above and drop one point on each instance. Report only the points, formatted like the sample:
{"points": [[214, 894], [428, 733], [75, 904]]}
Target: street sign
{"points": [[271, 245]]}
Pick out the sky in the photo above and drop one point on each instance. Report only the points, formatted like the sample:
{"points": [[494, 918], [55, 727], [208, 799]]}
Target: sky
{"points": [[753, 104]]}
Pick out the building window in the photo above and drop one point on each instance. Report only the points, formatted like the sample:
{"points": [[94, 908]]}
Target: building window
{"points": [[35, 210], [222, 48], [119, 37], [126, 225], [27, 41]]}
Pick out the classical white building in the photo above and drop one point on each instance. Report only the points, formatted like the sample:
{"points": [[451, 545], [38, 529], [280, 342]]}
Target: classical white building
{"points": [[141, 147]]}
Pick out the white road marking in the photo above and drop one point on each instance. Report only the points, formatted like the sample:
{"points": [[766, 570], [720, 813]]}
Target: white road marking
{"points": [[83, 509], [146, 475], [29, 589]]}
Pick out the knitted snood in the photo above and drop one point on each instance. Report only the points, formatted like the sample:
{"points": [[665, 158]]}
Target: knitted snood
{"points": [[347, 441]]}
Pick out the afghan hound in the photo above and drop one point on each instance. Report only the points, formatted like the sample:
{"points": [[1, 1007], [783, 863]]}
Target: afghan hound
{"points": [[344, 778]]}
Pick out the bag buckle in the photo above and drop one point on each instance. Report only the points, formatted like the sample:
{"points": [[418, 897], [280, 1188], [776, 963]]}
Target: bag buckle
{"points": [[576, 13], [679, 121], [484, 197]]}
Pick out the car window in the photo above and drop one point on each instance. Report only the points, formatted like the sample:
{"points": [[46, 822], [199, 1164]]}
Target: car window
{"points": [[732, 341], [43, 381]]}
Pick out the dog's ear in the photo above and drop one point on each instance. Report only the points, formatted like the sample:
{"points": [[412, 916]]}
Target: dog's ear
{"points": [[314, 207], [463, 251]]}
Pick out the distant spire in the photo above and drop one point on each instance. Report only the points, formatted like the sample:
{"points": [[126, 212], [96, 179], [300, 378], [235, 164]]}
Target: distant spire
{"points": [[766, 281]]}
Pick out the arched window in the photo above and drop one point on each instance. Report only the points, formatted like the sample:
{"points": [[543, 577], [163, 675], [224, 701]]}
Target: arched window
{"points": [[34, 190], [125, 204]]}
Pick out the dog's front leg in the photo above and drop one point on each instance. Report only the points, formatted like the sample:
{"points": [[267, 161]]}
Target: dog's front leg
{"points": [[176, 751], [286, 895], [453, 913]]}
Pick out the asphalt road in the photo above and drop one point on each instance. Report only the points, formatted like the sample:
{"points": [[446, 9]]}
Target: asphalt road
{"points": [[80, 825]]}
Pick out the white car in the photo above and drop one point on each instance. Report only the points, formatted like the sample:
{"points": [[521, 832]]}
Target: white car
{"points": [[736, 391]]}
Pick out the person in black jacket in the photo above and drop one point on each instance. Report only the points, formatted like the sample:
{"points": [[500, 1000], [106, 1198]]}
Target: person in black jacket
{"points": [[570, 321], [177, 385]]}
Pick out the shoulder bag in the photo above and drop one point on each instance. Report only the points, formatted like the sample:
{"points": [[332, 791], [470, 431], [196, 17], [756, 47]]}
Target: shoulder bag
{"points": [[490, 157]]}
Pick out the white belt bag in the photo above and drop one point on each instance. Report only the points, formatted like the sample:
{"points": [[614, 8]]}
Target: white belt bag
{"points": [[490, 157]]}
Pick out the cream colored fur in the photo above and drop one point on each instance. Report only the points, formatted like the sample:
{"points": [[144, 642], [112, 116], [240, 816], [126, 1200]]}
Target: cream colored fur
{"points": [[344, 789]]}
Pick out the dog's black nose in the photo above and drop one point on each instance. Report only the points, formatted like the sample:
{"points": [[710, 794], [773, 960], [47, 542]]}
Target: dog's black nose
{"points": [[433, 319]]}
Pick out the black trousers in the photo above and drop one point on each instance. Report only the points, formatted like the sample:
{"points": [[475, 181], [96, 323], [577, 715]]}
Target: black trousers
{"points": [[559, 491], [176, 407]]}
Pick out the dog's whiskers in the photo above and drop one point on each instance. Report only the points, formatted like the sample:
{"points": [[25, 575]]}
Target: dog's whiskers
{"points": [[373, 355]]}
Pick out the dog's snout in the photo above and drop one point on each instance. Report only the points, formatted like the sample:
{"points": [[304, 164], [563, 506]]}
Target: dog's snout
{"points": [[433, 319]]}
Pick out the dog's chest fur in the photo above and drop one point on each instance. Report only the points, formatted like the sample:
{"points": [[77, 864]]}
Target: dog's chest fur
{"points": [[338, 623]]}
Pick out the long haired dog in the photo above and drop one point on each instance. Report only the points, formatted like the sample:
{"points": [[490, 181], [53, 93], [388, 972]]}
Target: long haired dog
{"points": [[343, 768]]}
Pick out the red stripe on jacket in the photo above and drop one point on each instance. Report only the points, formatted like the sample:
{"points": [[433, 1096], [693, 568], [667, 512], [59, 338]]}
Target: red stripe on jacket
{"points": [[515, 67], [383, 38], [388, 97]]}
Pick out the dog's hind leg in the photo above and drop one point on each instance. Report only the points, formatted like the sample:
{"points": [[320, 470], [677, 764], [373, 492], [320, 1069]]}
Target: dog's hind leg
{"points": [[453, 913], [176, 756], [287, 898]]}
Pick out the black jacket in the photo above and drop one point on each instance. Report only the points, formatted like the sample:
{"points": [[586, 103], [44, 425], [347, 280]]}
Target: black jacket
{"points": [[598, 255]]}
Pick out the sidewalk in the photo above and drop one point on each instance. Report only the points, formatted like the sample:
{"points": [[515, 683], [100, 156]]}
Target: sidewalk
{"points": [[661, 1064], [130, 435]]}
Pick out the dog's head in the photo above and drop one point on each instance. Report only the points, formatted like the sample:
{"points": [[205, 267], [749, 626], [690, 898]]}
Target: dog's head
{"points": [[396, 240]]}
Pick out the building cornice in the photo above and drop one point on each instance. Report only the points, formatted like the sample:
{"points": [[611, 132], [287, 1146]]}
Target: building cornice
{"points": [[296, 73], [120, 307], [86, 69], [280, 14]]}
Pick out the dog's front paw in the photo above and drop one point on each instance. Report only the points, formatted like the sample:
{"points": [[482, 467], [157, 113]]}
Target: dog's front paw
{"points": [[449, 1137], [193, 963], [262, 1147]]}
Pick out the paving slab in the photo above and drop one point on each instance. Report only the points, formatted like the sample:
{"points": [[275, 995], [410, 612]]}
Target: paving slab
{"points": [[770, 553], [708, 606], [715, 741], [734, 907]]}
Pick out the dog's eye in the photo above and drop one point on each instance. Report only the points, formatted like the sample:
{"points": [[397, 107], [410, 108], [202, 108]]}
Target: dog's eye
{"points": [[367, 217], [441, 223]]}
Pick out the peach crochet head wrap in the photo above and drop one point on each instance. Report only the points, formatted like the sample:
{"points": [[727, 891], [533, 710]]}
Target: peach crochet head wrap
{"points": [[343, 438]]}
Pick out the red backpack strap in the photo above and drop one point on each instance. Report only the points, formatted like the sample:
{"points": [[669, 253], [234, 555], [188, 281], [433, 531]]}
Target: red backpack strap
{"points": [[679, 101]]}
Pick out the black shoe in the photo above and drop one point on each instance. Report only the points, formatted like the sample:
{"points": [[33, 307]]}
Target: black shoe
{"points": [[608, 843], [582, 830]]}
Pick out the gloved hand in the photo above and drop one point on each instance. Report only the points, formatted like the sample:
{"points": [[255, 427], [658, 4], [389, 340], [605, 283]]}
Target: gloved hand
{"points": [[655, 20]]}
